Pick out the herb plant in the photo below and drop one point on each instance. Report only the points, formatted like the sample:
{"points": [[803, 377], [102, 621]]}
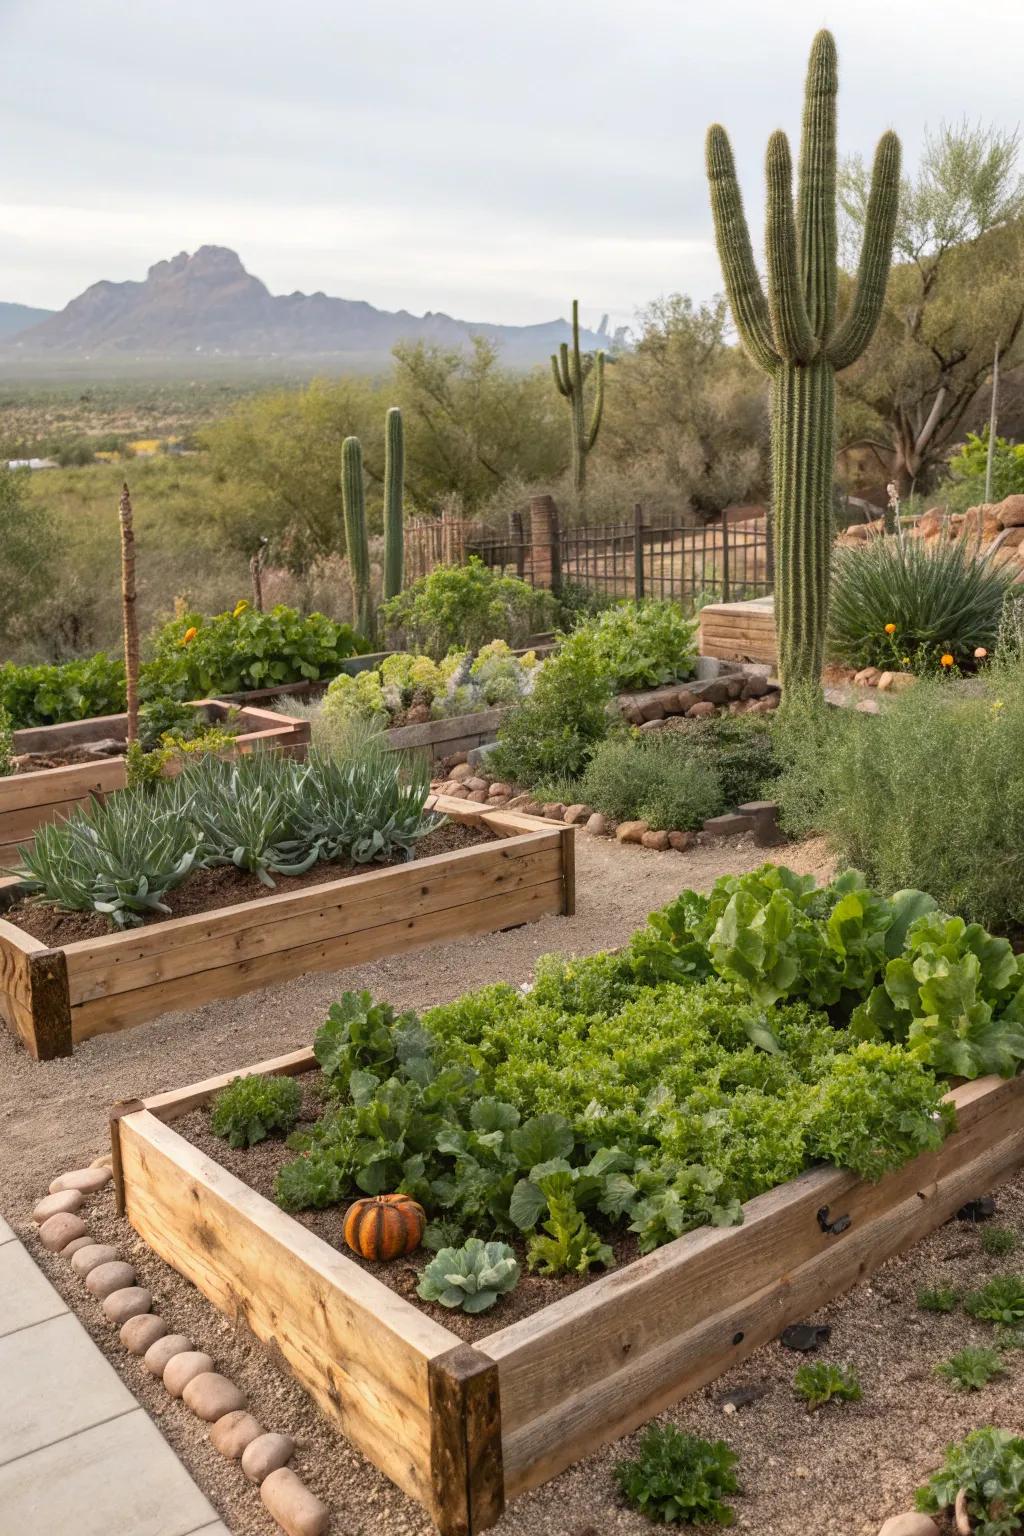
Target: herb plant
{"points": [[471, 1277], [938, 1298], [250, 1108], [971, 1369], [998, 1241], [677, 1477], [1000, 1301], [989, 1466], [465, 605], [820, 1382]]}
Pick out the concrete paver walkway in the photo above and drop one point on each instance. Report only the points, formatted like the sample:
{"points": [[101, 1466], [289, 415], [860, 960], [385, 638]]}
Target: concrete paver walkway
{"points": [[77, 1452]]}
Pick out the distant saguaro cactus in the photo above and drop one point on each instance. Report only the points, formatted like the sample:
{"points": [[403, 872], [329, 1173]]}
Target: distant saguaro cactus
{"points": [[394, 518], [793, 336], [353, 502], [571, 372]]}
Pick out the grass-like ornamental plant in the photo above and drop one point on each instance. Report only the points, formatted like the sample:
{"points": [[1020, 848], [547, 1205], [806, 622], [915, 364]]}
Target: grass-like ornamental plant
{"points": [[364, 805], [943, 598], [1000, 1301], [821, 1382], [471, 1277], [938, 1298], [250, 1108], [971, 1369], [989, 1466], [676, 1477], [247, 812]]}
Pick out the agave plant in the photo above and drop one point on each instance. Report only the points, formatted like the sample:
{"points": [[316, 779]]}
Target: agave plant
{"points": [[247, 814], [120, 858], [364, 805]]}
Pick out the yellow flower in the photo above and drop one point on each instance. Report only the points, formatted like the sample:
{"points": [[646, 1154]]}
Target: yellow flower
{"points": [[905, 660], [189, 635], [239, 607], [890, 629], [998, 704], [947, 660]]}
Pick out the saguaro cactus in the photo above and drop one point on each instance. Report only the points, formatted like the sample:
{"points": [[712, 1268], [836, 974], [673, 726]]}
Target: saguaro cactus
{"points": [[353, 502], [792, 334], [394, 521], [571, 372]]}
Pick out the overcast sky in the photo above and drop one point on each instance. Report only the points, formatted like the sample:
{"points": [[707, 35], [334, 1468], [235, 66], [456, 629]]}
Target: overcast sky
{"points": [[491, 158]]}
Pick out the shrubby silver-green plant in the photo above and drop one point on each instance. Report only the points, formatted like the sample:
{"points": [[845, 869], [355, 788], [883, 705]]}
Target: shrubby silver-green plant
{"points": [[363, 807]]}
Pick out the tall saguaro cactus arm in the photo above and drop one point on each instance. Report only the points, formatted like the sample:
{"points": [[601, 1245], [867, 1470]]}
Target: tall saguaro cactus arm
{"points": [[570, 371], [353, 502], [394, 520], [791, 333]]}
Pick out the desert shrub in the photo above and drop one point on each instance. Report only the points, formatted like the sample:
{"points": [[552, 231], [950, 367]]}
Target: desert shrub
{"points": [[652, 779], [464, 607], [740, 748], [989, 1465], [940, 596], [195, 655], [556, 729], [968, 469], [928, 793], [70, 690]]}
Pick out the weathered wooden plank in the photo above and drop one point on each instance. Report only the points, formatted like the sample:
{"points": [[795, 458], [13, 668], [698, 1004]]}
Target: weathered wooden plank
{"points": [[434, 733], [34, 1000], [506, 910], [120, 962], [465, 1447], [568, 836], [604, 1356], [47, 787], [358, 1348]]}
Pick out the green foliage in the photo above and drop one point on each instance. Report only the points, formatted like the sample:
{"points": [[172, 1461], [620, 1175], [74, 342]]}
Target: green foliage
{"points": [[458, 685], [971, 1369], [394, 510], [940, 595], [997, 1242], [471, 1277], [248, 815], [28, 541], [792, 334], [939, 769], [463, 607], [676, 1477], [557, 728], [6, 743], [52, 695], [739, 748], [821, 1382], [244, 649], [968, 471], [652, 778], [566, 1245], [640, 645], [1000, 1301], [877, 1111], [989, 1466], [250, 1108], [938, 1298]]}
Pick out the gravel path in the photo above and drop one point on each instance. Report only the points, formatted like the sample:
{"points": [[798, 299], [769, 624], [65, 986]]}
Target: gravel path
{"points": [[838, 1472]]}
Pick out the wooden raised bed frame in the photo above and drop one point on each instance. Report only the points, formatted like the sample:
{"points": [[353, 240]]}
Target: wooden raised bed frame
{"points": [[463, 1428], [27, 800], [53, 998]]}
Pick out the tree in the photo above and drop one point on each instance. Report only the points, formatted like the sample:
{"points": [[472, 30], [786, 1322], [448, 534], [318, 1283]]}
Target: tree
{"points": [[27, 546], [954, 302]]}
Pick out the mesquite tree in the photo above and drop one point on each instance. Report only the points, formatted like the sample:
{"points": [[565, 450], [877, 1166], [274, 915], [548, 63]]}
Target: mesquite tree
{"points": [[129, 615], [353, 502], [394, 523], [571, 372], [792, 334]]}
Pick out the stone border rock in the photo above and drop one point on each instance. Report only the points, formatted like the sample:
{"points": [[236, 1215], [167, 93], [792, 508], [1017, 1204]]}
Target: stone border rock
{"points": [[187, 1373]]}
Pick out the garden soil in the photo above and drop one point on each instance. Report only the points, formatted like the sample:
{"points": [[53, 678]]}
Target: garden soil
{"points": [[838, 1472]]}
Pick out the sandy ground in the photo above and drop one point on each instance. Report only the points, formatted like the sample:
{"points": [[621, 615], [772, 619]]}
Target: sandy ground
{"points": [[838, 1472]]}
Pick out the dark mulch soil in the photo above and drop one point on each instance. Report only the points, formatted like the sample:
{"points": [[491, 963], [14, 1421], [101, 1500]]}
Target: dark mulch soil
{"points": [[35, 762], [257, 1166], [207, 890]]}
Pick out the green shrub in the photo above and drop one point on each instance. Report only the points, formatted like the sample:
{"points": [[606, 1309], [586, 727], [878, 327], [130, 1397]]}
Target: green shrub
{"points": [[938, 1298], [989, 1466], [196, 656], [53, 695], [248, 1109], [821, 1382], [652, 778], [939, 594], [463, 607], [968, 469], [997, 1242], [676, 1477], [6, 743], [927, 794], [642, 644], [557, 727], [740, 749], [971, 1369]]}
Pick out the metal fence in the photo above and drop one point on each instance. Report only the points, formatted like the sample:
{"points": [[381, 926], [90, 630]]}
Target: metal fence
{"points": [[671, 559]]}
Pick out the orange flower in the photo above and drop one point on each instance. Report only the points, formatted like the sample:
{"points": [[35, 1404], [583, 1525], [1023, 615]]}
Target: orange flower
{"points": [[890, 629], [947, 660], [189, 635]]}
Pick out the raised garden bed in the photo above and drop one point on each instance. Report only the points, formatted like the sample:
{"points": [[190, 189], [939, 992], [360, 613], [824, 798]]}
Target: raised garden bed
{"points": [[54, 997], [739, 631], [27, 800], [464, 1429]]}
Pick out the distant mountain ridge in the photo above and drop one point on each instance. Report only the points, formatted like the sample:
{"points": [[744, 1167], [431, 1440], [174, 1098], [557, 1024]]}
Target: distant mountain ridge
{"points": [[208, 303], [16, 318]]}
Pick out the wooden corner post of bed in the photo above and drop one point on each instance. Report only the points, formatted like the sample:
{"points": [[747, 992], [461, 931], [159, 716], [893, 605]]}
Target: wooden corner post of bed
{"points": [[465, 1444]]}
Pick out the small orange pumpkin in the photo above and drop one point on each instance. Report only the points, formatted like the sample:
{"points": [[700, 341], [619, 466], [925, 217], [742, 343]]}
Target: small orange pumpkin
{"points": [[383, 1227]]}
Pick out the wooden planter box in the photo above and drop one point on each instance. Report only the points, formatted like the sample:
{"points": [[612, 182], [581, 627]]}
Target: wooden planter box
{"points": [[27, 800], [464, 1429], [739, 631], [52, 998]]}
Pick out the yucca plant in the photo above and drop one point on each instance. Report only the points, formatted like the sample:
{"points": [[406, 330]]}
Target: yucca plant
{"points": [[120, 858], [247, 814], [942, 599], [364, 804]]}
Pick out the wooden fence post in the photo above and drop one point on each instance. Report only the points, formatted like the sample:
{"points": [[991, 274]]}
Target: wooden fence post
{"points": [[465, 1449]]}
